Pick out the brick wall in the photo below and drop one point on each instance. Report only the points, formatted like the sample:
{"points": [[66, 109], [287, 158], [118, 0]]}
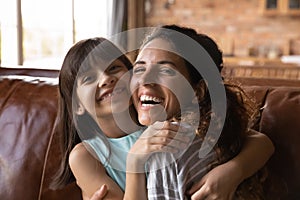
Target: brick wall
{"points": [[235, 24]]}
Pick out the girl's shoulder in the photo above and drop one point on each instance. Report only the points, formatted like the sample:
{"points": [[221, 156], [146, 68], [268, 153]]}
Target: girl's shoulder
{"points": [[79, 155], [79, 151]]}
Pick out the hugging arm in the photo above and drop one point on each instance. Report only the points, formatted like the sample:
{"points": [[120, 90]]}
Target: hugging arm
{"points": [[90, 175], [222, 181]]}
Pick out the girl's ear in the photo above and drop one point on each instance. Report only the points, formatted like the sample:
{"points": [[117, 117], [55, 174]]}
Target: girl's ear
{"points": [[200, 89], [80, 109]]}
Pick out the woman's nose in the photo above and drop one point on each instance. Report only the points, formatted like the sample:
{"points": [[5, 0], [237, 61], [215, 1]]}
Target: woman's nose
{"points": [[147, 78]]}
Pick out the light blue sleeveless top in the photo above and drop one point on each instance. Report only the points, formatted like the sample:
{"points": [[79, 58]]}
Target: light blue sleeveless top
{"points": [[114, 159]]}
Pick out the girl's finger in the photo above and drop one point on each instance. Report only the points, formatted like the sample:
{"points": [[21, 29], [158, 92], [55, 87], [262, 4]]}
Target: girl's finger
{"points": [[180, 144], [181, 137], [163, 148], [200, 194]]}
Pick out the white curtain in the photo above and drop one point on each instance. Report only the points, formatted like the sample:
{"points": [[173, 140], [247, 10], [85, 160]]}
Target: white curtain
{"points": [[117, 11], [124, 15], [117, 14]]}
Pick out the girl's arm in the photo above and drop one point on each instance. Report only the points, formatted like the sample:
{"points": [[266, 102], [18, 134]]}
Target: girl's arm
{"points": [[90, 174], [159, 137], [222, 181], [136, 185]]}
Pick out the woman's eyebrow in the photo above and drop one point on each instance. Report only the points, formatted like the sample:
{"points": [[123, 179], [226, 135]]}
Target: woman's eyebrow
{"points": [[159, 62], [139, 62], [166, 62]]}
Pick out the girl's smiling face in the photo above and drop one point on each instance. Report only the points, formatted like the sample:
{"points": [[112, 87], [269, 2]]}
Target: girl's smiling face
{"points": [[160, 83], [102, 92]]}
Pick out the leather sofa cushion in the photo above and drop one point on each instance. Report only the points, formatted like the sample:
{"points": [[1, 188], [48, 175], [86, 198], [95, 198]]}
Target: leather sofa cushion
{"points": [[280, 121], [27, 113]]}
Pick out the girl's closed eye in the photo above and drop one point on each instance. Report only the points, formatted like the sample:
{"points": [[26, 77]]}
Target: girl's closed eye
{"points": [[114, 68], [86, 79]]}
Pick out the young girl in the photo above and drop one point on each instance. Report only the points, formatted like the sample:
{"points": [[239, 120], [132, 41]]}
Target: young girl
{"points": [[93, 82], [88, 99]]}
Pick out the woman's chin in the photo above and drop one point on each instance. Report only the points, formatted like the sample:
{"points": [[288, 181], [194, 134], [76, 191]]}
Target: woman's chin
{"points": [[145, 120]]}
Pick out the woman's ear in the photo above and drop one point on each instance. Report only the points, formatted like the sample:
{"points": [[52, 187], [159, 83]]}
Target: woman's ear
{"points": [[80, 110], [200, 90]]}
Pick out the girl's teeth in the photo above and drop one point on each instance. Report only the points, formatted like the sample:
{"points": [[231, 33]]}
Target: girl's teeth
{"points": [[116, 91], [106, 96]]}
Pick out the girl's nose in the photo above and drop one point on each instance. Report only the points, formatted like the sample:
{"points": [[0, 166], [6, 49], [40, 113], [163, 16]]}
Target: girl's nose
{"points": [[107, 81]]}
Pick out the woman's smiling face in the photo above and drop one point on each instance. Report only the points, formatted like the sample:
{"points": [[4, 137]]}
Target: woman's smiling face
{"points": [[160, 83]]}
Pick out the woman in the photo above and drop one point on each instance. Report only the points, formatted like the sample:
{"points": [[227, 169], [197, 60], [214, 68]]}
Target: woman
{"points": [[157, 82]]}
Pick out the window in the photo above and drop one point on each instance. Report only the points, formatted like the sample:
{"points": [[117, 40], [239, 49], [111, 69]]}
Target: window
{"points": [[38, 33], [280, 7], [272, 4], [294, 4]]}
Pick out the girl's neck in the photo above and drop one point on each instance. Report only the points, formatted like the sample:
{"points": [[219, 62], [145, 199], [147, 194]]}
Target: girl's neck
{"points": [[118, 125]]}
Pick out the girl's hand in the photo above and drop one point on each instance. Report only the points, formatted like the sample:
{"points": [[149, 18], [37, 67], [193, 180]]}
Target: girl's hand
{"points": [[99, 194], [159, 137], [216, 184], [222, 181]]}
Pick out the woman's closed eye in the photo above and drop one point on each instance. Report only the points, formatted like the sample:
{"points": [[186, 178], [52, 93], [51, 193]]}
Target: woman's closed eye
{"points": [[139, 70], [167, 71]]}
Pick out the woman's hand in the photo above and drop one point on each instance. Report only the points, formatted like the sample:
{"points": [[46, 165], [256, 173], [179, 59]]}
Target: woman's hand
{"points": [[220, 183], [159, 137]]}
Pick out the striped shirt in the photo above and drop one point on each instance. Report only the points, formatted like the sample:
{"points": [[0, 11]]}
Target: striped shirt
{"points": [[169, 177]]}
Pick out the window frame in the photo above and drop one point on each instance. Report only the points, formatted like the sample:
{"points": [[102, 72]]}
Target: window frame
{"points": [[16, 56], [282, 9]]}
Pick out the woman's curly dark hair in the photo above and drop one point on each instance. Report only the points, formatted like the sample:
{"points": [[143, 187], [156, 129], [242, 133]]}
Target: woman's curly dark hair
{"points": [[241, 111]]}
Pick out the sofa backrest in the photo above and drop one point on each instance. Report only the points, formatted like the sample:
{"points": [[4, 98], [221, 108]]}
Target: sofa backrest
{"points": [[28, 110], [280, 120]]}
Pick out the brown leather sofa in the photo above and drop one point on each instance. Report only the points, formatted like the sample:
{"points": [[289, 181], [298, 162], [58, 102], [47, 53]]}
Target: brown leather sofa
{"points": [[29, 154]]}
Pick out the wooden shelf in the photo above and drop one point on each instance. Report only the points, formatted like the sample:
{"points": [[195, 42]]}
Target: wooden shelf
{"points": [[251, 61], [265, 69]]}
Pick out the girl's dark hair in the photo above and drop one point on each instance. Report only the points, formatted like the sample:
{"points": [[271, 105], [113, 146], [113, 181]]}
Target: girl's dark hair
{"points": [[80, 58], [240, 109]]}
